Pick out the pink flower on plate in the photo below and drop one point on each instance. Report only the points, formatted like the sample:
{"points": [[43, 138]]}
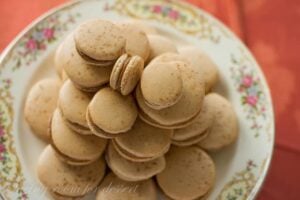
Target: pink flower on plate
{"points": [[251, 100], [173, 14], [31, 44], [1, 131], [247, 81], [48, 33], [157, 9], [2, 148]]}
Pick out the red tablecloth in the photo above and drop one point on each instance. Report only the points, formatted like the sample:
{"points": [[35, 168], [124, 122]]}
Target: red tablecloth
{"points": [[271, 29]]}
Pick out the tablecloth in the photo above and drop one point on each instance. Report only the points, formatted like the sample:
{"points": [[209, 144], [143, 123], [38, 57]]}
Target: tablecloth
{"points": [[271, 30]]}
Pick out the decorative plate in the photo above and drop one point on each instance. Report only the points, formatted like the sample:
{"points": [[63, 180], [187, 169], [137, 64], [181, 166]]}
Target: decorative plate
{"points": [[241, 168]]}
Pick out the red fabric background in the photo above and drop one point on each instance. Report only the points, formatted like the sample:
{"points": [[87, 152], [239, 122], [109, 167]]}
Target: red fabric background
{"points": [[270, 29]]}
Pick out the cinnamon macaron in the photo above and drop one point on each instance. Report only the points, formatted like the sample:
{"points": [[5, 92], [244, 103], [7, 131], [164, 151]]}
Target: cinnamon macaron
{"points": [[40, 105], [160, 45], [71, 147], [140, 24]]}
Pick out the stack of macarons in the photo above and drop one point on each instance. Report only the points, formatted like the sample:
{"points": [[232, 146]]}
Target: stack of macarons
{"points": [[130, 106]]}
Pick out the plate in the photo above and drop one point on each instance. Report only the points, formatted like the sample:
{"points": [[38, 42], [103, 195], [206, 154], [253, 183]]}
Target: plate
{"points": [[241, 168]]}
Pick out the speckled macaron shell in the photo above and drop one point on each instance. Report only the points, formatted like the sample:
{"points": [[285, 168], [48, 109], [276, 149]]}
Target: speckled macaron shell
{"points": [[191, 141], [62, 178], [161, 85], [186, 108], [145, 141], [100, 40], [85, 77], [112, 112], [160, 45], [40, 105], [225, 129], [75, 146], [73, 104], [142, 190], [137, 43], [202, 64], [126, 73], [189, 173], [133, 171], [202, 123], [140, 24]]}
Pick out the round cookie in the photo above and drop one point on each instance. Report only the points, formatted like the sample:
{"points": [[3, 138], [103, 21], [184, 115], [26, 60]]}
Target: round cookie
{"points": [[186, 108], [202, 64], [161, 85], [40, 105], [126, 73], [224, 130], [66, 180], [140, 24], [144, 141], [84, 76], [160, 45], [189, 173], [111, 186], [57, 64], [73, 104], [191, 141], [111, 112], [133, 171], [99, 42], [74, 148]]}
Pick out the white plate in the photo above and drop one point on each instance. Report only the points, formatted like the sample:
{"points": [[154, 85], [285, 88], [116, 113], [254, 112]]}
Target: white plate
{"points": [[241, 168]]}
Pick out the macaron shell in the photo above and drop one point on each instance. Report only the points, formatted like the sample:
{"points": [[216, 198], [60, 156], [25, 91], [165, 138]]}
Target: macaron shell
{"points": [[133, 171], [85, 77], [189, 173], [100, 40], [72, 144], [57, 196], [140, 24], [112, 112], [116, 73], [224, 130], [202, 64], [160, 45], [110, 189], [40, 105], [186, 108], [71, 161], [144, 140], [191, 141], [57, 63], [169, 57], [63, 178]]}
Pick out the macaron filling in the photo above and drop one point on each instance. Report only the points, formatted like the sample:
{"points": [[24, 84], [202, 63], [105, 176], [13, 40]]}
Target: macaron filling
{"points": [[91, 61], [191, 141], [87, 89]]}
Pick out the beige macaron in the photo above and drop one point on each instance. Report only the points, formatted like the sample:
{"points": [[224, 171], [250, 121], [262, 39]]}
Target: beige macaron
{"points": [[99, 42], [75, 148], [191, 141], [73, 104], [224, 130], [113, 188], [133, 171], [143, 142], [160, 45], [39, 106], [188, 106], [189, 173], [126, 73], [140, 24], [57, 63], [66, 180], [110, 112], [161, 85], [202, 64], [137, 42], [84, 76]]}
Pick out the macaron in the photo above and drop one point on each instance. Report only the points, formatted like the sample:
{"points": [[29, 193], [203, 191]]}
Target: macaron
{"points": [[133, 171], [160, 45], [85, 77], [126, 73], [161, 85], [99, 42], [57, 64], [74, 148], [72, 104], [65, 180], [40, 105], [189, 173], [225, 129], [137, 42], [188, 106], [202, 64], [169, 57], [191, 141], [111, 113], [115, 188], [141, 25], [143, 142]]}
